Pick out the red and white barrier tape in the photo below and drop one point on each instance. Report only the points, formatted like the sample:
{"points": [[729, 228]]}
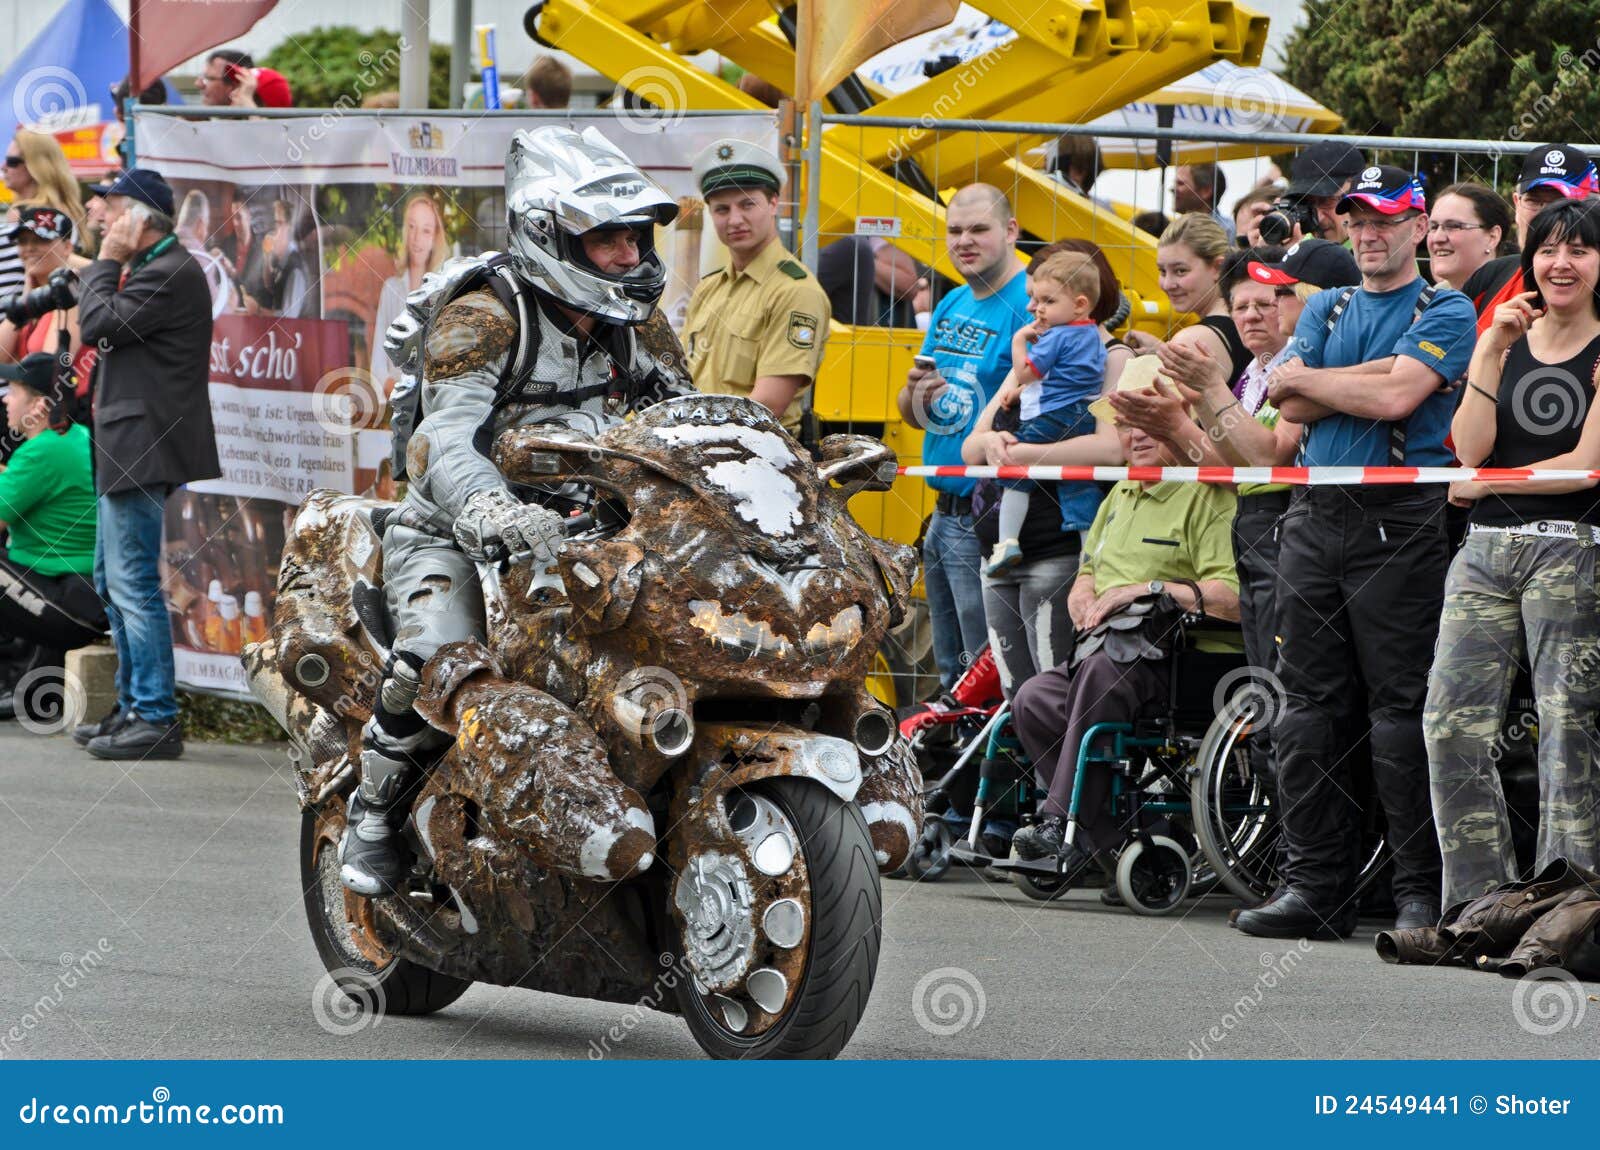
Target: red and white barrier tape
{"points": [[1293, 476]]}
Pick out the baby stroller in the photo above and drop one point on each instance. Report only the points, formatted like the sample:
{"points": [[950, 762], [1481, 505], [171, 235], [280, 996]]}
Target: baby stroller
{"points": [[951, 736]]}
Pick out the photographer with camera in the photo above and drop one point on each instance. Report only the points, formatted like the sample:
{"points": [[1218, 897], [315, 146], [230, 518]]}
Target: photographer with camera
{"points": [[43, 317], [145, 303], [1318, 177]]}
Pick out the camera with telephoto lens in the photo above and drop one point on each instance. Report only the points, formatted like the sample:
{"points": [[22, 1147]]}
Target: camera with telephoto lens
{"points": [[1277, 226], [59, 293]]}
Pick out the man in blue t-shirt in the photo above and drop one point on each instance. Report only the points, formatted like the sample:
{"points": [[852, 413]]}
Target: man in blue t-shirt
{"points": [[969, 340], [1361, 569]]}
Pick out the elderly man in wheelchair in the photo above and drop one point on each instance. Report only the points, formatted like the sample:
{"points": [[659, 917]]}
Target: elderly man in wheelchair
{"points": [[1157, 561]]}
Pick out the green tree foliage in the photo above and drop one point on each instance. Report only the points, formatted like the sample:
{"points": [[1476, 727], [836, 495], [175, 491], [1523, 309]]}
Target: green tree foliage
{"points": [[1524, 72], [328, 65]]}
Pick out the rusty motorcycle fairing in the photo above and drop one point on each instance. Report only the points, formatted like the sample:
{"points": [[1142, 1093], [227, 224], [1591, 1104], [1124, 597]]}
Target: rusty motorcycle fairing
{"points": [[739, 579]]}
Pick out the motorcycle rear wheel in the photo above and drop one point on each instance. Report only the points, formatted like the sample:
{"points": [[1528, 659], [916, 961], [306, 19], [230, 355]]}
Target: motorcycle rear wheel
{"points": [[846, 911], [361, 966]]}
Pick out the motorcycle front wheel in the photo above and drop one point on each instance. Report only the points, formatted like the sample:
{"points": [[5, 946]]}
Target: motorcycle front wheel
{"points": [[837, 914], [362, 971]]}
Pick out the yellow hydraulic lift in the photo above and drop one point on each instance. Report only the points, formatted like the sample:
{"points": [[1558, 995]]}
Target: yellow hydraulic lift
{"points": [[1071, 61]]}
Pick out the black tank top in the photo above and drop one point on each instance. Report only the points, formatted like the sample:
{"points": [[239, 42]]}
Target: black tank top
{"points": [[1238, 354], [1540, 413]]}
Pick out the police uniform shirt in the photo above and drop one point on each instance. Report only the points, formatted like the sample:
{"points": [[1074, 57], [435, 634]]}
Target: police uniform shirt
{"points": [[769, 319]]}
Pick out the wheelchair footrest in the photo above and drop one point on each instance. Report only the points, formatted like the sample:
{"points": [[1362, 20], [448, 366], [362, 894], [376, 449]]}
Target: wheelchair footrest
{"points": [[964, 854]]}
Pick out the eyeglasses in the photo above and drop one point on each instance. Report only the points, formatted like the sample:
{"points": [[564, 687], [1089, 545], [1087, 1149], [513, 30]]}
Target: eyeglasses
{"points": [[1451, 227], [1382, 227], [206, 78], [1261, 308], [15, 161]]}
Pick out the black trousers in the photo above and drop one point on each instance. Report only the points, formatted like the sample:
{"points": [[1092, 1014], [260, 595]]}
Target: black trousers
{"points": [[56, 612], [1360, 586], [1054, 709], [1255, 549]]}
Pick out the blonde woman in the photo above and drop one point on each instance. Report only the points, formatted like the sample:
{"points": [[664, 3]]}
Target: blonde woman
{"points": [[1189, 259], [36, 172], [423, 247]]}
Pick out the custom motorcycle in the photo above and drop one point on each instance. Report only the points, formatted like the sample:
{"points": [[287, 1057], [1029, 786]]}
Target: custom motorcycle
{"points": [[679, 700]]}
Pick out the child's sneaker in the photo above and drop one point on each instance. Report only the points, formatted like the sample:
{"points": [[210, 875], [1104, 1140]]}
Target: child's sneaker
{"points": [[1006, 554]]}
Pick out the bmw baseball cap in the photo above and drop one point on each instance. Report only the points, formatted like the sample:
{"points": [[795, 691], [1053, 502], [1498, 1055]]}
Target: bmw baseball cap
{"points": [[1315, 262], [41, 220], [1563, 167], [1387, 189], [142, 184]]}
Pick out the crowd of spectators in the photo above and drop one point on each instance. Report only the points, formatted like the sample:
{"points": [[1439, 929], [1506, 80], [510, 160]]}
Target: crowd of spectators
{"points": [[105, 323], [1386, 330]]}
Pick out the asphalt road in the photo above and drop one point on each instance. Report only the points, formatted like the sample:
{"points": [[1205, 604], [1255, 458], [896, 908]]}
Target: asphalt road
{"points": [[153, 911]]}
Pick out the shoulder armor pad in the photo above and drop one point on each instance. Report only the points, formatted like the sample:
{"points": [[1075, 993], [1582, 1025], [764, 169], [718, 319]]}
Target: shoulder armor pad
{"points": [[791, 269], [470, 333], [406, 337]]}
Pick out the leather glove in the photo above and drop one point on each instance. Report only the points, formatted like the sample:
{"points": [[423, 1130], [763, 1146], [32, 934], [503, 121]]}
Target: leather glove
{"points": [[494, 525]]}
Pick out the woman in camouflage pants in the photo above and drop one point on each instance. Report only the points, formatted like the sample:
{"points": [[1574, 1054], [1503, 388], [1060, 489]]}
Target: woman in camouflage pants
{"points": [[1523, 585]]}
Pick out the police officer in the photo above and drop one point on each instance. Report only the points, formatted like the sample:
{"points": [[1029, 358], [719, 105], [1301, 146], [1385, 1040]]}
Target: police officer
{"points": [[758, 326]]}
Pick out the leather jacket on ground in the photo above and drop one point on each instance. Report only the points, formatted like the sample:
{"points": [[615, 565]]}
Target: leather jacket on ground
{"points": [[1550, 920]]}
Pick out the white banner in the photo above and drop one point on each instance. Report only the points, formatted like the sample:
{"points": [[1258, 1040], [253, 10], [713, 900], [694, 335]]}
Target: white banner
{"points": [[457, 151]]}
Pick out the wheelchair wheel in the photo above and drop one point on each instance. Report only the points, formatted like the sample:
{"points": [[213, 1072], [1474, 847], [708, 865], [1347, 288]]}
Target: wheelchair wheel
{"points": [[1040, 888], [1234, 823], [1153, 875], [930, 854]]}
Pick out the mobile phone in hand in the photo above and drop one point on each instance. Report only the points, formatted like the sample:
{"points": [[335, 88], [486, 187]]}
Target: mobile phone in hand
{"points": [[925, 362]]}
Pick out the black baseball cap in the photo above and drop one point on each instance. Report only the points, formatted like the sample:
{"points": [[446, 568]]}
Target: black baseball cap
{"points": [[1315, 262], [1559, 166], [1323, 168], [36, 371], [1386, 189], [142, 184], [42, 220]]}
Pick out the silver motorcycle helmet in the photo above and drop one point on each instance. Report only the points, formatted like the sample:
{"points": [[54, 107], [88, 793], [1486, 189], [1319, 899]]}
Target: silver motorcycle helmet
{"points": [[561, 183]]}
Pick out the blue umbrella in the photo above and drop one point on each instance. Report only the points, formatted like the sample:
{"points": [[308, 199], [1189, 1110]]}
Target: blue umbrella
{"points": [[70, 65]]}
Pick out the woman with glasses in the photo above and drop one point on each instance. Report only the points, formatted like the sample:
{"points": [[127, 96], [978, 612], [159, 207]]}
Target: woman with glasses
{"points": [[1468, 226]]}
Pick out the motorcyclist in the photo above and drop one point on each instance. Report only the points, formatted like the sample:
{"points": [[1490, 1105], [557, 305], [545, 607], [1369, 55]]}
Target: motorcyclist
{"points": [[585, 274]]}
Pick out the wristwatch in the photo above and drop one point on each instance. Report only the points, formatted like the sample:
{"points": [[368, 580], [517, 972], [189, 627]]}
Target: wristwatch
{"points": [[1155, 587]]}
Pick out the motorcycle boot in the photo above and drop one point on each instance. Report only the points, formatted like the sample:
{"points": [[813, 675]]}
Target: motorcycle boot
{"points": [[372, 856]]}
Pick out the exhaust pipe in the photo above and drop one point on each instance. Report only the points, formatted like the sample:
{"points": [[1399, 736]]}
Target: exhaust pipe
{"points": [[875, 732], [662, 728]]}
